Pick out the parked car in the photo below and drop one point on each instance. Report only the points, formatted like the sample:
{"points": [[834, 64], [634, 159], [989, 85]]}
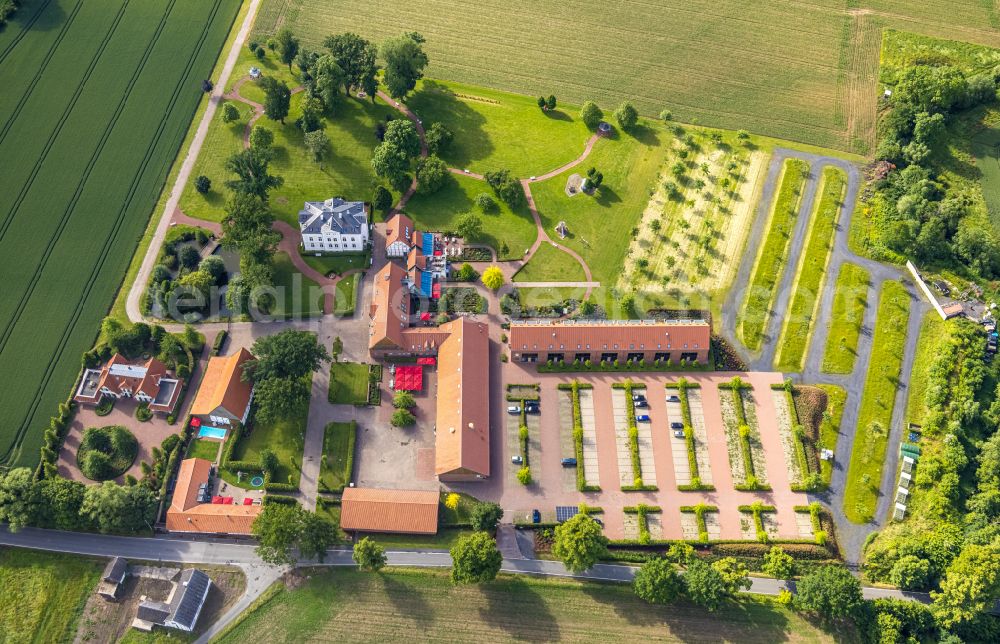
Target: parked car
{"points": [[673, 399], [642, 418], [532, 408], [514, 409], [536, 516], [640, 404], [678, 433], [568, 462], [676, 425], [516, 459], [637, 397]]}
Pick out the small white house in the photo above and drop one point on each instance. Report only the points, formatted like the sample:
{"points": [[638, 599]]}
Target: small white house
{"points": [[334, 226]]}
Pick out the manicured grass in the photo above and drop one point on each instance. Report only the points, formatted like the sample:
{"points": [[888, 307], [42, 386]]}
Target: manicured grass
{"points": [[43, 594], [772, 255], [864, 476], [346, 297], [89, 138], [348, 383], [201, 448], [337, 264], [550, 264], [345, 172], [829, 430], [812, 272], [850, 299], [443, 540], [345, 604], [934, 334], [338, 456], [300, 295], [600, 226], [440, 212], [496, 130], [283, 437]]}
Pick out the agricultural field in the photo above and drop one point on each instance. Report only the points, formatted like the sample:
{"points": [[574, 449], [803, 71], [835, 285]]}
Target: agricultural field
{"points": [[850, 298], [801, 71], [91, 125], [693, 230], [772, 256], [344, 604], [43, 594], [811, 274], [864, 476]]}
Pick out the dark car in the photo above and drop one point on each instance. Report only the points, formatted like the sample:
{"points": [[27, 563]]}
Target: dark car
{"points": [[673, 399], [536, 516], [532, 408], [640, 404], [676, 425], [568, 462], [642, 418], [638, 397]]}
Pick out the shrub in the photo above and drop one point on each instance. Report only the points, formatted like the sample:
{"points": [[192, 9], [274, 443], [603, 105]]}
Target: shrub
{"points": [[403, 418], [590, 114], [524, 475], [202, 184], [627, 116], [142, 413], [106, 452]]}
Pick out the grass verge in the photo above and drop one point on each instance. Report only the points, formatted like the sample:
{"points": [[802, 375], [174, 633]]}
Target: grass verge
{"points": [[850, 299], [348, 383]]}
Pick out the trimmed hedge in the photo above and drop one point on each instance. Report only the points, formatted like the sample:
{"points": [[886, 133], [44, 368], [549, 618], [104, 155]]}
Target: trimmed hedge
{"points": [[695, 485], [628, 365], [815, 511], [220, 340], [757, 509], [517, 397], [699, 512], [279, 498], [581, 480], [810, 482], [633, 437], [735, 387], [642, 510]]}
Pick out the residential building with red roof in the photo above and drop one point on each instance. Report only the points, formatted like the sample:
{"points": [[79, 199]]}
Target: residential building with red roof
{"points": [[189, 510], [224, 398], [147, 381], [396, 511]]}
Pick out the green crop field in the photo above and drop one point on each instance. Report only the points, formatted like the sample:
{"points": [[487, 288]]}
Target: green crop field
{"points": [[864, 476], [43, 594], [850, 299], [97, 98], [805, 71], [812, 272], [347, 605], [773, 254]]}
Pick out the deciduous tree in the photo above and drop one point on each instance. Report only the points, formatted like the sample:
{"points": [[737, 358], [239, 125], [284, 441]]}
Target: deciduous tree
{"points": [[432, 175], [627, 116], [579, 543], [657, 582], [438, 138], [277, 529], [288, 46], [591, 114], [381, 199], [486, 516], [493, 278], [778, 563], [369, 555], [277, 98], [469, 226], [317, 142], [830, 591], [405, 60], [356, 58], [475, 559], [970, 586], [328, 78], [252, 178], [230, 113]]}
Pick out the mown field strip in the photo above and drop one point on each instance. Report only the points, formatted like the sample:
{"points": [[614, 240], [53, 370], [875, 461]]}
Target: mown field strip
{"points": [[773, 254], [71, 240], [850, 298], [864, 476], [811, 275]]}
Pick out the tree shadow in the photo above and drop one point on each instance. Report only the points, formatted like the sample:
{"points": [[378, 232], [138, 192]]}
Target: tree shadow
{"points": [[435, 102], [558, 115], [645, 135], [516, 608], [52, 17], [606, 196], [406, 601]]}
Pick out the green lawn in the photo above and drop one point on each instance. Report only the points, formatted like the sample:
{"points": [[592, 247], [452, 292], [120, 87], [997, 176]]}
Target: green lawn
{"points": [[600, 226], [283, 437], [444, 539], [344, 604], [550, 264], [864, 476], [43, 594], [772, 255], [934, 334], [346, 297], [345, 172], [336, 264], [338, 456], [812, 272], [829, 430], [348, 383], [300, 295], [439, 212], [495, 130], [201, 448], [849, 302]]}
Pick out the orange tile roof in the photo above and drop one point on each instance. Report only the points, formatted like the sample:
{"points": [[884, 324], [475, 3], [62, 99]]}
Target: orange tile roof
{"points": [[185, 514], [389, 309], [398, 229], [462, 441], [416, 259], [638, 335], [223, 386], [380, 510]]}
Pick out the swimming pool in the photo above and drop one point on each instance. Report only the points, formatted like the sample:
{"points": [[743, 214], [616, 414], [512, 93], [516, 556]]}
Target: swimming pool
{"points": [[212, 432]]}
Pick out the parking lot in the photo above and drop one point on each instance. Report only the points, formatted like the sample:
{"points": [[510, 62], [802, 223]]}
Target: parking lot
{"points": [[663, 456]]}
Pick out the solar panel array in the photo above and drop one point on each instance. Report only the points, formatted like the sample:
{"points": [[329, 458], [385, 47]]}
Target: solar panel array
{"points": [[566, 512]]}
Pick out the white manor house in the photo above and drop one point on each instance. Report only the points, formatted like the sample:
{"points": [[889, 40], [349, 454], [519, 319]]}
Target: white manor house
{"points": [[333, 226]]}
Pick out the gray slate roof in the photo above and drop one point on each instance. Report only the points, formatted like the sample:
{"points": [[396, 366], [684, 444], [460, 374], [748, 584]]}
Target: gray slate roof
{"points": [[192, 590], [345, 217], [115, 571], [155, 612]]}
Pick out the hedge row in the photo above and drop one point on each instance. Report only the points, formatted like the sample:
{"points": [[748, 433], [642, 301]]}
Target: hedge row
{"points": [[695, 485], [279, 498], [633, 436], [53, 438], [699, 513], [374, 385], [812, 481], [642, 510], [581, 480], [519, 397], [815, 511], [220, 340], [757, 509]]}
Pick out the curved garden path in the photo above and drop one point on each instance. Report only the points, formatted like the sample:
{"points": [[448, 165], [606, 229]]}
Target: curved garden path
{"points": [[851, 536], [509, 267]]}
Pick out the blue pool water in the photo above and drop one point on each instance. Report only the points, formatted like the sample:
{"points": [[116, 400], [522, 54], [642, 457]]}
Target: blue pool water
{"points": [[211, 432], [257, 481]]}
